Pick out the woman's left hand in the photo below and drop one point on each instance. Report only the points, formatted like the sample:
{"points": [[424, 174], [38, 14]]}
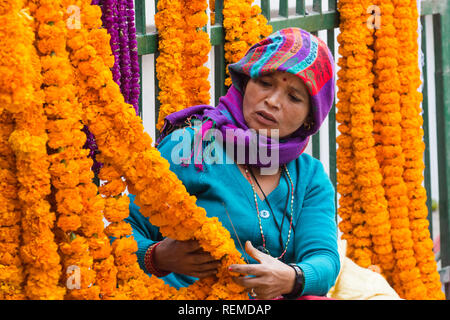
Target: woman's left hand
{"points": [[269, 279]]}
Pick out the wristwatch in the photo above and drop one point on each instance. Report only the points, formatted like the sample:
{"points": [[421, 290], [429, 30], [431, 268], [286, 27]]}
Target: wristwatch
{"points": [[298, 285]]}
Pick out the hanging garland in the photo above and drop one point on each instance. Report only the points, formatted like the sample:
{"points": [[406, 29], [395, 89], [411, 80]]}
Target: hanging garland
{"points": [[406, 14], [84, 89], [183, 50], [11, 268], [23, 98], [384, 214], [244, 26], [368, 210], [118, 19], [169, 207], [390, 155]]}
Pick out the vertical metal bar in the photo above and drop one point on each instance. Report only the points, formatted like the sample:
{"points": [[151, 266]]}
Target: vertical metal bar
{"points": [[284, 8], [265, 8], [332, 5], [219, 72], [139, 6], [219, 58], [332, 126], [316, 145], [426, 127], [317, 6], [300, 7], [441, 25], [218, 8]]}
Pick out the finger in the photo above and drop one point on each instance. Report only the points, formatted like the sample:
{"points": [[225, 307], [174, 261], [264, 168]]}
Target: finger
{"points": [[249, 269], [203, 274], [255, 253], [190, 245], [248, 282], [201, 258], [210, 266]]}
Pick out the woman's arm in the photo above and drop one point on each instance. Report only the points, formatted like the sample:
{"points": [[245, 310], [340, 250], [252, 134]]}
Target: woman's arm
{"points": [[184, 257], [315, 244], [269, 279], [316, 234], [144, 232]]}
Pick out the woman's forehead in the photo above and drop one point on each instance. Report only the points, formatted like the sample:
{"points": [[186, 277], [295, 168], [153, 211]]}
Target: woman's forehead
{"points": [[294, 81]]}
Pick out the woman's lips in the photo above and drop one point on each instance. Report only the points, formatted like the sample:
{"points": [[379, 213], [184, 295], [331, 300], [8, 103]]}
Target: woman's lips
{"points": [[265, 118]]}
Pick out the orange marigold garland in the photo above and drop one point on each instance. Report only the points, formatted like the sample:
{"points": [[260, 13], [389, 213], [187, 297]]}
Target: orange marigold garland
{"points": [[69, 165], [11, 269], [28, 141], [169, 64], [388, 133], [344, 154], [369, 208], [183, 50], [196, 50], [406, 23], [91, 72], [244, 26], [392, 233], [123, 142]]}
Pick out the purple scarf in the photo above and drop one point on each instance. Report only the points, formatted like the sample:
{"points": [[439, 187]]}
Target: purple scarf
{"points": [[290, 50], [228, 116]]}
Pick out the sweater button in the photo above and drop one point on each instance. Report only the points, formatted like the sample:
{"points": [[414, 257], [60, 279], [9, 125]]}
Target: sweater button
{"points": [[264, 214]]}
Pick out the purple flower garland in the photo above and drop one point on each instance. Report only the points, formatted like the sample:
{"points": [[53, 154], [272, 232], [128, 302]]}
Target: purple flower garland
{"points": [[134, 57], [109, 18], [118, 19]]}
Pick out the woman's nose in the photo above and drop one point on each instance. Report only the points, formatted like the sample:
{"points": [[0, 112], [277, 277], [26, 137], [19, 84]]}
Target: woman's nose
{"points": [[274, 99]]}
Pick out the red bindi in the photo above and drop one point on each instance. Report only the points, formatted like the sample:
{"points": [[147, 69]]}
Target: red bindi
{"points": [[284, 79]]}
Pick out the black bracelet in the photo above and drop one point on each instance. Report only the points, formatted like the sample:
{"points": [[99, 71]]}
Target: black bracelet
{"points": [[298, 285]]}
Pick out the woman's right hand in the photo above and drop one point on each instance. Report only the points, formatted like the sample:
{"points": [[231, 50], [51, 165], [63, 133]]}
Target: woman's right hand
{"points": [[185, 257]]}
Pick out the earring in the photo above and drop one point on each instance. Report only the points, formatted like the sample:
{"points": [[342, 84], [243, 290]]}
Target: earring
{"points": [[308, 125]]}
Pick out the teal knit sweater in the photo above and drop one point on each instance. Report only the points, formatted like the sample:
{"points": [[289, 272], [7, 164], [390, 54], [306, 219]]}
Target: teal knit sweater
{"points": [[313, 243]]}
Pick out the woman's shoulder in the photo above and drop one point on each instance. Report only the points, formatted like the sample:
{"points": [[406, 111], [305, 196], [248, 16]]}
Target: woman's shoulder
{"points": [[308, 163], [177, 135]]}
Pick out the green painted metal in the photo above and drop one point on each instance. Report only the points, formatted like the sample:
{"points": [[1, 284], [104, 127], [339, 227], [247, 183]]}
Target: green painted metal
{"points": [[219, 73], [426, 128], [265, 8], [312, 22], [300, 7], [429, 7], [283, 8], [332, 128], [218, 16], [217, 40], [317, 6], [139, 6], [332, 5], [441, 24], [148, 43]]}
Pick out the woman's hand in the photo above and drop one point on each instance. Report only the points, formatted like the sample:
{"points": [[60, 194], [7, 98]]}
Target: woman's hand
{"points": [[185, 257], [271, 278]]}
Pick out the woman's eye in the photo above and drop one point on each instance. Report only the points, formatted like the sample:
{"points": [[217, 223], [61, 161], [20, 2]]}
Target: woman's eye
{"points": [[294, 98], [264, 83]]}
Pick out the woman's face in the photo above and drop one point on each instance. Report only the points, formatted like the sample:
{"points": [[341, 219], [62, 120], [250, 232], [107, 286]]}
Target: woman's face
{"points": [[279, 100]]}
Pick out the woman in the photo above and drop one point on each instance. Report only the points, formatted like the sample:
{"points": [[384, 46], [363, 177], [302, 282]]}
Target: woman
{"points": [[282, 91]]}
